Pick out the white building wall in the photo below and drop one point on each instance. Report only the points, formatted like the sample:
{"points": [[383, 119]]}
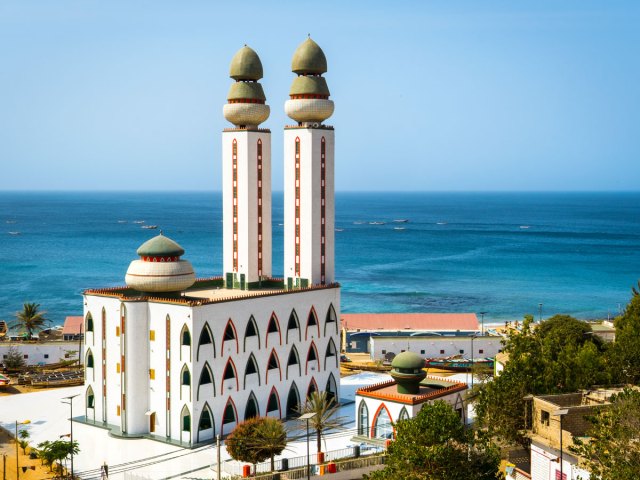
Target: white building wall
{"points": [[43, 353], [545, 463], [435, 346], [310, 204], [247, 203]]}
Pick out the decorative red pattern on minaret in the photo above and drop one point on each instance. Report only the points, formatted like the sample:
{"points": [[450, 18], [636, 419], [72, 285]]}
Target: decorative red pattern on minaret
{"points": [[104, 365], [259, 208], [168, 372], [323, 192], [297, 210], [235, 204]]}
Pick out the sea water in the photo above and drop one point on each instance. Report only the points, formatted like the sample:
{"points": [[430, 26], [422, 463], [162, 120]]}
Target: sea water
{"points": [[500, 253]]}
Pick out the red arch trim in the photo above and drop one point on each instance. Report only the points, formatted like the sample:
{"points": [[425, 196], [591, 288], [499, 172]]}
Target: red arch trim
{"points": [[306, 367], [235, 412], [235, 372], [273, 353], [235, 334], [273, 315], [375, 417], [312, 382]]}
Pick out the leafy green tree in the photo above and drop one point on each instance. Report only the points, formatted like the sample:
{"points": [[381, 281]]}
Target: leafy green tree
{"points": [[325, 409], [24, 440], [57, 451], [435, 445], [612, 451], [625, 351], [560, 355], [14, 360], [257, 439], [30, 319]]}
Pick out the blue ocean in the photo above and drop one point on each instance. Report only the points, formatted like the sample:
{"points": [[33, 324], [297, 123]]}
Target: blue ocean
{"points": [[501, 253]]}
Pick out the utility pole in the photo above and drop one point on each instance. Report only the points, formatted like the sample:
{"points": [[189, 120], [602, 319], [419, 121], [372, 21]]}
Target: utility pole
{"points": [[70, 402], [218, 469]]}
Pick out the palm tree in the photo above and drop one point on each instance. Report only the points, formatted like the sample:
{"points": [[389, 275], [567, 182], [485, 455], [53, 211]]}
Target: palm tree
{"points": [[257, 439], [271, 438], [325, 409], [30, 319]]}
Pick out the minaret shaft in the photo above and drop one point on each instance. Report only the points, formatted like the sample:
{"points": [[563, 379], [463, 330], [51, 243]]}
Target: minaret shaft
{"points": [[309, 206], [246, 204]]}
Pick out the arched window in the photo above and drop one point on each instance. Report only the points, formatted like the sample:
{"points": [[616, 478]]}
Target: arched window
{"points": [[206, 339], [312, 356], [273, 327], [294, 359], [186, 419], [312, 321], [331, 320], [89, 359], [205, 424], [313, 387], [363, 419], [251, 332], [229, 374], [251, 368], [273, 403], [293, 324], [230, 415], [404, 415], [293, 401], [252, 407], [185, 337], [88, 323], [185, 376], [91, 399], [206, 378], [331, 388], [273, 364], [230, 334], [382, 427], [331, 352]]}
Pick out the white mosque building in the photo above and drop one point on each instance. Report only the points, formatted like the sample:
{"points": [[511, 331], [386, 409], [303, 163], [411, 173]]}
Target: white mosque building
{"points": [[182, 360]]}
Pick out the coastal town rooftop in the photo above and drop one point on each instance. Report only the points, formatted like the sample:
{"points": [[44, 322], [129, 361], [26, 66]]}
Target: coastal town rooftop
{"points": [[409, 321], [205, 291]]}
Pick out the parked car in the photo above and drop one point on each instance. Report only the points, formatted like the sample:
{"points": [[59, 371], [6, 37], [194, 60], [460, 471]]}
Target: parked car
{"points": [[344, 358]]}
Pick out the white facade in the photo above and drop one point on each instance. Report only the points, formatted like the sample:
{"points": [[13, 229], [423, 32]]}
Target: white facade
{"points": [[545, 465], [246, 204], [436, 346], [42, 353], [309, 208], [184, 372]]}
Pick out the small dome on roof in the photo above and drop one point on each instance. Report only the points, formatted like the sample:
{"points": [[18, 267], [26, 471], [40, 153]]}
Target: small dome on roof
{"points": [[246, 90], [160, 246], [246, 65], [309, 85], [309, 59], [408, 361]]}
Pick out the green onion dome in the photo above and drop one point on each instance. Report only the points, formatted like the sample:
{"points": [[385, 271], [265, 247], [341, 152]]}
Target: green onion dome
{"points": [[160, 246], [309, 59], [246, 91], [304, 85], [408, 361], [406, 370], [246, 65]]}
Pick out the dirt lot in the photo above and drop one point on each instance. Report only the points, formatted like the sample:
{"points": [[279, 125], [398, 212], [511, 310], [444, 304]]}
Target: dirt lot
{"points": [[8, 449]]}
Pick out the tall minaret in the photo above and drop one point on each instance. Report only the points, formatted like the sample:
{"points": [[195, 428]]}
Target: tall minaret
{"points": [[309, 173], [246, 177]]}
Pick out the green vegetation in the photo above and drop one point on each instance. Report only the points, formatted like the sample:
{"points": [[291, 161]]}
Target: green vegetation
{"points": [[435, 445], [257, 439], [56, 451], [625, 351], [325, 409], [30, 320], [24, 440], [14, 360]]}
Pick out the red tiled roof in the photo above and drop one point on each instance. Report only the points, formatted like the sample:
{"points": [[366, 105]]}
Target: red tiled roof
{"points": [[389, 391], [72, 326], [409, 321]]}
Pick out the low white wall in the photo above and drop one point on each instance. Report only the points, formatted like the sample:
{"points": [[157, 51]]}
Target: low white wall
{"points": [[435, 346], [42, 353]]}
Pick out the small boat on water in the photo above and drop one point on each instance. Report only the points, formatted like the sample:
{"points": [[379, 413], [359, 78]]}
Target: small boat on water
{"points": [[122, 221], [11, 221], [4, 380], [441, 223], [14, 233], [138, 221], [401, 220], [399, 228], [458, 364], [524, 226], [339, 229], [149, 227], [376, 223], [358, 222]]}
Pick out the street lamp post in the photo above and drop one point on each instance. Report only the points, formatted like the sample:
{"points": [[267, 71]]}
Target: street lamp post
{"points": [[482, 317], [17, 451], [561, 413], [70, 403], [307, 417], [540, 312]]}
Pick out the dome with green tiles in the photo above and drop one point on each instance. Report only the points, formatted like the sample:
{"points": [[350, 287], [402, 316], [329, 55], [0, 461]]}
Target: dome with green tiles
{"points": [[408, 362], [246, 91], [160, 246], [246, 65], [303, 85], [406, 370], [309, 59]]}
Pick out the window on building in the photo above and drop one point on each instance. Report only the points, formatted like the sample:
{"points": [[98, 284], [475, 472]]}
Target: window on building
{"points": [[118, 367], [229, 415], [46, 355], [544, 417], [89, 325], [186, 337], [89, 360], [229, 372], [117, 330], [422, 352], [118, 410], [363, 419], [273, 325], [441, 352], [90, 400], [27, 356], [461, 351], [272, 403], [481, 351], [229, 334], [273, 361], [382, 427], [186, 377], [251, 366], [384, 352], [186, 423], [251, 330], [205, 420]]}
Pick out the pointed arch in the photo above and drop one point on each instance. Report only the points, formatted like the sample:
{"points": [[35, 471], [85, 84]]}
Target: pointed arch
{"points": [[312, 321], [185, 336], [294, 324], [331, 351], [89, 364], [206, 339], [89, 359], [363, 419], [251, 331], [88, 323], [206, 378], [251, 410], [272, 327], [331, 320], [313, 387], [294, 359], [229, 415], [185, 376], [251, 368], [312, 356], [293, 401], [273, 364], [230, 373], [206, 424], [230, 334], [185, 420], [90, 403], [381, 426], [332, 388], [273, 403], [404, 415]]}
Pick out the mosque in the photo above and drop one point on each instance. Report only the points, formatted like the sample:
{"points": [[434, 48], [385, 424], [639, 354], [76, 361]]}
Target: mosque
{"points": [[181, 359]]}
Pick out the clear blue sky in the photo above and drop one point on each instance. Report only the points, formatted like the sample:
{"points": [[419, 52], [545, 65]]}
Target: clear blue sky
{"points": [[464, 95]]}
